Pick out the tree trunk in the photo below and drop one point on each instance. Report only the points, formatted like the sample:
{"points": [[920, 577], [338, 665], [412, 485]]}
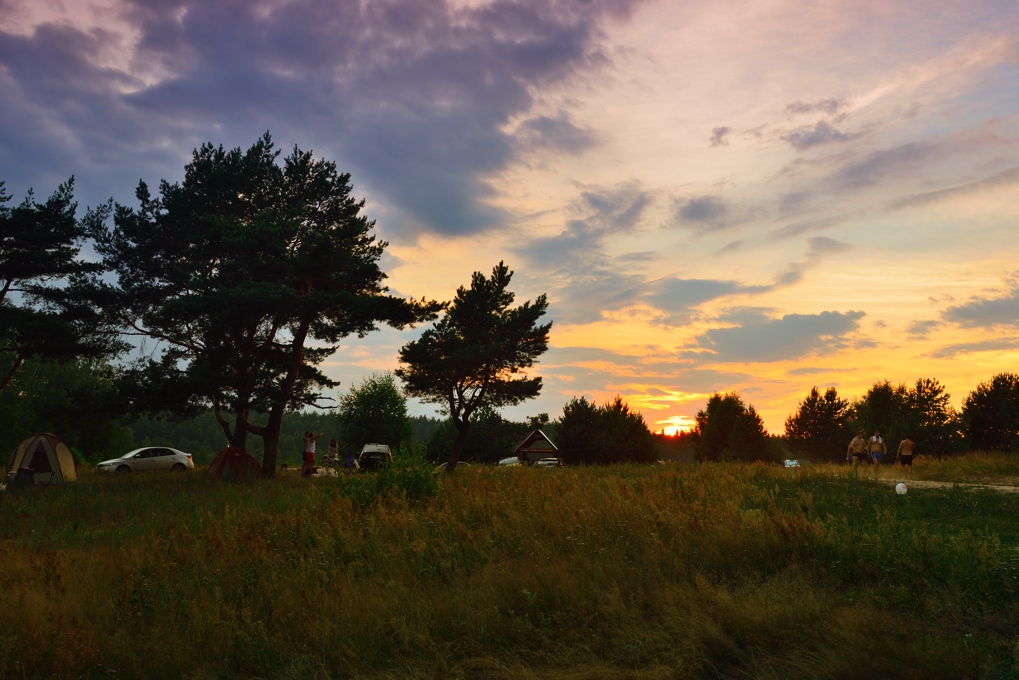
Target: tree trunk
{"points": [[240, 435], [458, 445], [270, 434], [271, 441]]}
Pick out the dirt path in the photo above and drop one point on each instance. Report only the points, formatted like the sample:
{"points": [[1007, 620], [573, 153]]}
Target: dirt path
{"points": [[971, 486]]}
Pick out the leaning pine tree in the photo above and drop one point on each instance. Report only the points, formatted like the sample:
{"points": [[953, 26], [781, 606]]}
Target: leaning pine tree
{"points": [[475, 354]]}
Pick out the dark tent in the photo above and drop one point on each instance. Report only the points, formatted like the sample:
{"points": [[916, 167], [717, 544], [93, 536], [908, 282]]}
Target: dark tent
{"points": [[232, 463]]}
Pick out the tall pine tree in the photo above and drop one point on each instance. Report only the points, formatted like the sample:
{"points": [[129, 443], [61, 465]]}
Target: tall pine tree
{"points": [[234, 271]]}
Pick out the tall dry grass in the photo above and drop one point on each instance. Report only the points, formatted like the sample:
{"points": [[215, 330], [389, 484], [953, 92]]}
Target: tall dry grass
{"points": [[741, 571], [977, 466]]}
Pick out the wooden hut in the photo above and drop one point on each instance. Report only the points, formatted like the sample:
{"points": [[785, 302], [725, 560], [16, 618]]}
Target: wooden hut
{"points": [[535, 447]]}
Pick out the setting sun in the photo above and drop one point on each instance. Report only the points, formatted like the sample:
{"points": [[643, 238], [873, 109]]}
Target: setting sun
{"points": [[674, 425]]}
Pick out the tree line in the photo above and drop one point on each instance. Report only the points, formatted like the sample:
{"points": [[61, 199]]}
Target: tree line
{"points": [[824, 423], [233, 285]]}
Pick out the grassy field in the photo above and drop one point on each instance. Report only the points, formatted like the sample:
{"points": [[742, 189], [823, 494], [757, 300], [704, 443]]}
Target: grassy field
{"points": [[685, 571]]}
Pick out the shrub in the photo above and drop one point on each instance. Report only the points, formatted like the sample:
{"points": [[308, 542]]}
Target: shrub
{"points": [[414, 482], [990, 414], [612, 433], [727, 429]]}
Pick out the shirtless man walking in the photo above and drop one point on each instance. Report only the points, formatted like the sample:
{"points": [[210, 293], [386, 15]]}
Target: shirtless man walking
{"points": [[857, 451], [905, 456], [878, 450]]}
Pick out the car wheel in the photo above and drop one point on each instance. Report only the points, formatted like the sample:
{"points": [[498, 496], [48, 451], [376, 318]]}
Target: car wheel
{"points": [[123, 470], [178, 467]]}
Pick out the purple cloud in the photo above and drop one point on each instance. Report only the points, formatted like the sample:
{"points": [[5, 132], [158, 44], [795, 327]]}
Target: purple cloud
{"points": [[720, 136], [831, 107], [822, 133], [411, 96]]}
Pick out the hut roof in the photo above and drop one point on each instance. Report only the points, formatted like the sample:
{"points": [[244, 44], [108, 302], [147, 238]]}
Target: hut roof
{"points": [[536, 441]]}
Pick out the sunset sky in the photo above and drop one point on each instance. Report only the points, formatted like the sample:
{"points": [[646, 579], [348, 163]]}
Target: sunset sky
{"points": [[715, 195]]}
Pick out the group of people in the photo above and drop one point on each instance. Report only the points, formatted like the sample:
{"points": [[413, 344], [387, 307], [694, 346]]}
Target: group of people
{"points": [[874, 450], [330, 459]]}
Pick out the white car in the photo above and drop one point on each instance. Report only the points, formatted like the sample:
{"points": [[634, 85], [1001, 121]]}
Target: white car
{"points": [[149, 458]]}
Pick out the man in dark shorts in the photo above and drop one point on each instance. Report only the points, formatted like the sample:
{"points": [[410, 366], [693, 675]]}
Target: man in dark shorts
{"points": [[878, 451], [857, 452], [905, 456]]}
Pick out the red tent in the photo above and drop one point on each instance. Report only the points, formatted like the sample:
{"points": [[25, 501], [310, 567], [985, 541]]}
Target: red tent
{"points": [[232, 463]]}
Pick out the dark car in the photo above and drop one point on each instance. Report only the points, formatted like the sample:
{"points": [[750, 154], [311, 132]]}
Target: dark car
{"points": [[373, 455]]}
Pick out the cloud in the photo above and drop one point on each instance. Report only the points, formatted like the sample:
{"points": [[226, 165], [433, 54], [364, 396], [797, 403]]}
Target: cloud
{"points": [[760, 338], [572, 356], [982, 312], [908, 159], [821, 246], [677, 298], [805, 226], [1000, 179], [719, 136], [598, 212], [544, 132], [831, 107], [574, 263], [951, 351], [811, 370], [412, 96], [707, 211], [822, 133], [827, 184], [921, 329]]}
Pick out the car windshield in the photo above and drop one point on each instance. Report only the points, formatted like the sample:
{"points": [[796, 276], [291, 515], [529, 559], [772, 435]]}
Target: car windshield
{"points": [[131, 454]]}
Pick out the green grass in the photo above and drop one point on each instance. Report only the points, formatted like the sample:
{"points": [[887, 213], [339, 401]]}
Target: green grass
{"points": [[681, 571]]}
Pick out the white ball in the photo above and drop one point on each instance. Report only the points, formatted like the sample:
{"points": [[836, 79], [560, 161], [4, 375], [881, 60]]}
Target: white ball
{"points": [[900, 488]]}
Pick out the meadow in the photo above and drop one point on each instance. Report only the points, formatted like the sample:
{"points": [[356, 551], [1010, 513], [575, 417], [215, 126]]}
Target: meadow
{"points": [[639, 572]]}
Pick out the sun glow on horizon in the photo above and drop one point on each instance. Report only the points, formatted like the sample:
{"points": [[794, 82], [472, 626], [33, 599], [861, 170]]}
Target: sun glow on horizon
{"points": [[674, 425]]}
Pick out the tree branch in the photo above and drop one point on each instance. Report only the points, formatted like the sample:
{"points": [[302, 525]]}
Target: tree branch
{"points": [[222, 421], [14, 369]]}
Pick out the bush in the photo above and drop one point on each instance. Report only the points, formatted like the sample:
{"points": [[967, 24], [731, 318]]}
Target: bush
{"points": [[604, 434], [990, 414], [414, 482], [820, 427], [489, 439], [374, 411], [727, 429]]}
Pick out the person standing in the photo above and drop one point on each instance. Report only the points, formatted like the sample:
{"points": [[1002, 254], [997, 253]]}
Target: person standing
{"points": [[309, 452], [905, 456], [333, 457], [857, 451], [877, 451]]}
